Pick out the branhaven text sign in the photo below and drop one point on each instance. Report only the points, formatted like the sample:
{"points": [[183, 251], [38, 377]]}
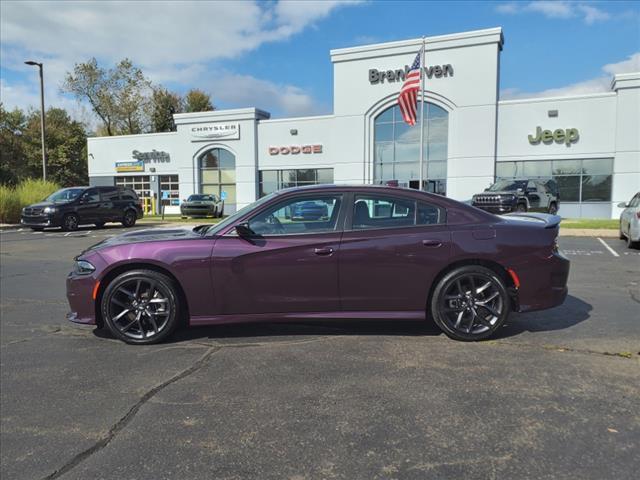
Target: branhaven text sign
{"points": [[398, 75], [295, 149], [209, 131]]}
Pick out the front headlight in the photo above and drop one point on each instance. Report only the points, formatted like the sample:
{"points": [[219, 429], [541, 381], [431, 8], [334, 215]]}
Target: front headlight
{"points": [[82, 267], [49, 209]]}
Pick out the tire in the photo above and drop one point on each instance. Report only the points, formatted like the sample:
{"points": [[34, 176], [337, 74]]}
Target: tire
{"points": [[129, 219], [130, 312], [553, 208], [70, 222], [521, 207], [466, 317], [37, 229], [99, 225], [631, 243]]}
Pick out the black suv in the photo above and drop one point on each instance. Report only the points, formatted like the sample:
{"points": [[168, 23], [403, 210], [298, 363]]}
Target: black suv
{"points": [[70, 207], [519, 195]]}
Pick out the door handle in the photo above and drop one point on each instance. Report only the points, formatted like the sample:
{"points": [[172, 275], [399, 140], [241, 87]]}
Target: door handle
{"points": [[323, 251], [432, 243]]}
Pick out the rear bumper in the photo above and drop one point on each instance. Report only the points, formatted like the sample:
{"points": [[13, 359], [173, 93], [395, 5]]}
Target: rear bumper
{"points": [[543, 285]]}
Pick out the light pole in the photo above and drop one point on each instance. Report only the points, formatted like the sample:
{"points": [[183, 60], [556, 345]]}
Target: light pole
{"points": [[44, 152]]}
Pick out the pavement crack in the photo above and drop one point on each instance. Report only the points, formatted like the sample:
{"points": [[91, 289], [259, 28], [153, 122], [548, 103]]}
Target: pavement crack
{"points": [[561, 348], [124, 421]]}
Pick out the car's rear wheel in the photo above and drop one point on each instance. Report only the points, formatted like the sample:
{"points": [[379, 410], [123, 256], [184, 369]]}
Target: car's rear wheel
{"points": [[129, 219], [70, 222], [470, 303], [141, 307]]}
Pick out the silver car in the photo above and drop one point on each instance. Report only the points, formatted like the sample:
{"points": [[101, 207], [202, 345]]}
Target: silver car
{"points": [[630, 221]]}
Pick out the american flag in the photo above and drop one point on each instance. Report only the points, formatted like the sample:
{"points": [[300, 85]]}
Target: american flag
{"points": [[408, 98]]}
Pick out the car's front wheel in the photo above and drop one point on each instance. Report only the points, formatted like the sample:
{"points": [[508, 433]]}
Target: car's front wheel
{"points": [[70, 222], [141, 307], [470, 303]]}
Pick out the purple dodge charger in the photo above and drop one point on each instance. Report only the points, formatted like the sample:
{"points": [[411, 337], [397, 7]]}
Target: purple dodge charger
{"points": [[377, 253]]}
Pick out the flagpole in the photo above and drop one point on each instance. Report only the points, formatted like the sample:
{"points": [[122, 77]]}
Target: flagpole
{"points": [[422, 75]]}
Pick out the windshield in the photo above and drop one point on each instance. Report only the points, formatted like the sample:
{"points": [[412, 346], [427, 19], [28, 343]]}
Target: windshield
{"points": [[215, 229], [504, 185], [65, 195], [201, 198]]}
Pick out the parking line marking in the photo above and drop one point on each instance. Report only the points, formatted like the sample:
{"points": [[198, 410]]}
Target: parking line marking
{"points": [[613, 252]]}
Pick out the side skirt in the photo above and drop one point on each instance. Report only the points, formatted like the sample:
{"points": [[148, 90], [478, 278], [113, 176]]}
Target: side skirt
{"points": [[284, 317]]}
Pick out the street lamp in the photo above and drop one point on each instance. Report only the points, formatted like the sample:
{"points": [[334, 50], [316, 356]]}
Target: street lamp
{"points": [[44, 154]]}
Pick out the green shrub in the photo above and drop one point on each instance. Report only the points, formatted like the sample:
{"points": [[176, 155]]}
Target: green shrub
{"points": [[12, 200]]}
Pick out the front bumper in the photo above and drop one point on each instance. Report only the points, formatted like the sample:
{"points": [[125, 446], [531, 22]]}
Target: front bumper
{"points": [[42, 221], [80, 297], [197, 211], [497, 209]]}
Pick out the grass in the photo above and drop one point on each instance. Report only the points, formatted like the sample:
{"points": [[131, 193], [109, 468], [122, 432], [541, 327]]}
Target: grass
{"points": [[14, 199], [594, 223]]}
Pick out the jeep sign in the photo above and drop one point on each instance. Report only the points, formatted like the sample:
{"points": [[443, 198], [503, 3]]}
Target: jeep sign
{"points": [[568, 136]]}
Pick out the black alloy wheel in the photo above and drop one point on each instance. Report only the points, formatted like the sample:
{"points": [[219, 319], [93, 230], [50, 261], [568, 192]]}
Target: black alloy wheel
{"points": [[141, 307], [521, 207], [129, 219], [70, 222], [470, 303]]}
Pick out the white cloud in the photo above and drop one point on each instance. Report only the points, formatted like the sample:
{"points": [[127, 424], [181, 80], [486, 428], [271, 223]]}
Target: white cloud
{"points": [[557, 9], [176, 42], [247, 91], [601, 83]]}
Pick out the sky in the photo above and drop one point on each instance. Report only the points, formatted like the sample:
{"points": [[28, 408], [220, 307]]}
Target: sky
{"points": [[274, 55]]}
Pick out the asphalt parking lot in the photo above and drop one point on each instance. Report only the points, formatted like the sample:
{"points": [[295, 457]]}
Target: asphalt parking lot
{"points": [[555, 395]]}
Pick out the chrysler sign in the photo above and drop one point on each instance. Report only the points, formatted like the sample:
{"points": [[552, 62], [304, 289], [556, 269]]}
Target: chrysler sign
{"points": [[215, 131], [434, 71]]}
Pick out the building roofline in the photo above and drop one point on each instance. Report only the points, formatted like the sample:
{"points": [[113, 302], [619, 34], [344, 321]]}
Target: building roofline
{"points": [[556, 98], [473, 37], [289, 119]]}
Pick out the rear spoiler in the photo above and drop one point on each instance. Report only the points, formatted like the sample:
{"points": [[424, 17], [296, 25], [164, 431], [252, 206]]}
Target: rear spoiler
{"points": [[550, 221]]}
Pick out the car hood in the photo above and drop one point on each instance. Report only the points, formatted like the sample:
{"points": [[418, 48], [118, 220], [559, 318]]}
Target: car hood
{"points": [[150, 235], [501, 192], [43, 204]]}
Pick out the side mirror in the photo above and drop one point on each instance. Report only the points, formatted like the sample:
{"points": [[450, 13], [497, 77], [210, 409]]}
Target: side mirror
{"points": [[622, 205], [244, 230]]}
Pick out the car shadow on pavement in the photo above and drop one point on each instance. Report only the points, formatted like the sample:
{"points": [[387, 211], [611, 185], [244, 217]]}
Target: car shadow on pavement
{"points": [[572, 312]]}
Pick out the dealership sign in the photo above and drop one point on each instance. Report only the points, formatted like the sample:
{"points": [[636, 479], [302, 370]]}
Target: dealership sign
{"points": [[434, 71], [154, 156], [560, 135], [123, 167], [214, 131], [295, 149]]}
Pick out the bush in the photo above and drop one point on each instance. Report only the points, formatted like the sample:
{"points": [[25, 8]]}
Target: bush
{"points": [[12, 200]]}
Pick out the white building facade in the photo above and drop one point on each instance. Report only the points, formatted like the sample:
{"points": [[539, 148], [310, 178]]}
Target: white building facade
{"points": [[590, 144]]}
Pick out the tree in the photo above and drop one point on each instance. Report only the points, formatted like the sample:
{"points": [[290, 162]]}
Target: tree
{"points": [[198, 101], [20, 147], [12, 151], [118, 96], [163, 105]]}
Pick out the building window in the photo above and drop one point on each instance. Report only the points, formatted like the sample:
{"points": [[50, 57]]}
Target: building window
{"points": [[273, 180], [218, 175], [586, 180], [169, 190], [397, 149], [139, 184]]}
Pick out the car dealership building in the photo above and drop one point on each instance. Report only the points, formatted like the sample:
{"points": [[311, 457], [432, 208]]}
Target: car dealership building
{"points": [[589, 143]]}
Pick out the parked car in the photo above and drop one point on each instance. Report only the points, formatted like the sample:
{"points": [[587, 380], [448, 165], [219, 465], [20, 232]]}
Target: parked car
{"points": [[202, 205], [630, 221], [71, 207], [381, 253], [306, 211], [519, 195]]}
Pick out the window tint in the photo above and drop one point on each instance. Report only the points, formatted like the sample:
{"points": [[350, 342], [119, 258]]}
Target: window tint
{"points": [[109, 194], [635, 201], [91, 196], [372, 211], [308, 214], [429, 214]]}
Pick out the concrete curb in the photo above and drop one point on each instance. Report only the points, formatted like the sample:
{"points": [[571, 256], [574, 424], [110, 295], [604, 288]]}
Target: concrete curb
{"points": [[9, 226], [589, 232]]}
